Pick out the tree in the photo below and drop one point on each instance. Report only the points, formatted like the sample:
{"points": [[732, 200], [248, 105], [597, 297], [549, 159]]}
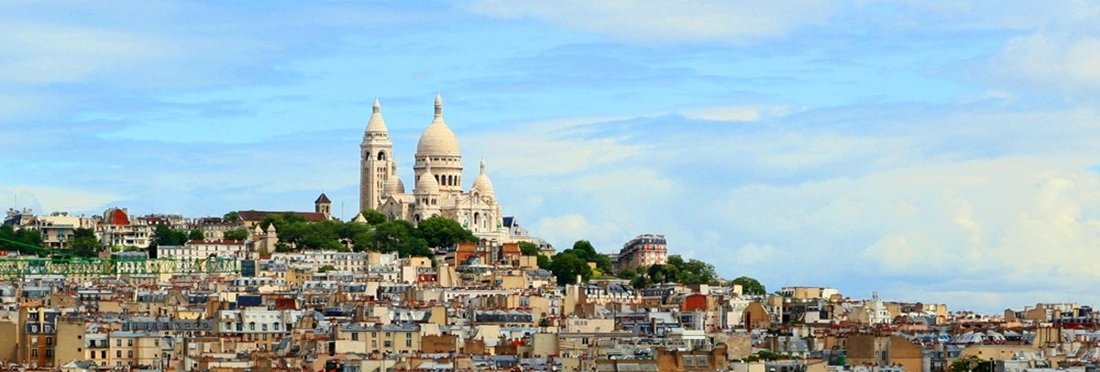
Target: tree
{"points": [[83, 243], [693, 271], [164, 235], [195, 234], [750, 286], [236, 234], [529, 249], [320, 235], [398, 236], [374, 217], [585, 249], [971, 364], [232, 216], [566, 266], [326, 268], [439, 231], [627, 273], [26, 241]]}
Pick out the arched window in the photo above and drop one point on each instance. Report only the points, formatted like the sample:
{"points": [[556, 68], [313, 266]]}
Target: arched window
{"points": [[477, 218], [416, 217], [382, 155]]}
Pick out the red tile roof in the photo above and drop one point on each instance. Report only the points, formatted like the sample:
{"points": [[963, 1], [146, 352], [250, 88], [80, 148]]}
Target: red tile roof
{"points": [[118, 217]]}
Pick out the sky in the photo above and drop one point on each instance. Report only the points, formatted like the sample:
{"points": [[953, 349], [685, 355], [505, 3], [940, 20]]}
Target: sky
{"points": [[935, 151]]}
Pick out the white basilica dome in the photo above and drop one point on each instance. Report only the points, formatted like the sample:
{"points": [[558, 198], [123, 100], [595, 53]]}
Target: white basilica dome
{"points": [[438, 139]]}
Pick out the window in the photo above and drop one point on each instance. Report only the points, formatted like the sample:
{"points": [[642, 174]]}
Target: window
{"points": [[103, 354], [129, 342], [34, 353], [49, 341], [387, 344], [408, 340], [118, 353], [129, 353], [355, 336], [118, 342], [49, 353]]}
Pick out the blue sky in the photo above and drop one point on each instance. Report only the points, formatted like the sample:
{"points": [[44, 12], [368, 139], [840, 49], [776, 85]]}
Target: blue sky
{"points": [[930, 151]]}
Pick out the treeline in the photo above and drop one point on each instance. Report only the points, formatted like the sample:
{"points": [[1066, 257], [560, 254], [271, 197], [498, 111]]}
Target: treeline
{"points": [[584, 262], [378, 234], [676, 270]]}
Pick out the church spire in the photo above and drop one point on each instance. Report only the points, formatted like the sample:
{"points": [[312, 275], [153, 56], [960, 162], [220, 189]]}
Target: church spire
{"points": [[438, 106], [376, 124]]}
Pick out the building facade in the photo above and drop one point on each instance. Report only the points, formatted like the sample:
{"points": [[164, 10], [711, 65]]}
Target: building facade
{"points": [[643, 250]]}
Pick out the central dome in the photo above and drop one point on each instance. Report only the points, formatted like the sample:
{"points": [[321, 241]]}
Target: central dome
{"points": [[438, 139]]}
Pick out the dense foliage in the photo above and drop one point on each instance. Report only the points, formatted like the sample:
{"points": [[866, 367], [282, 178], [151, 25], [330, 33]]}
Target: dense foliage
{"points": [[529, 249], [676, 270], [83, 243], [25, 241], [377, 234], [568, 264], [164, 236], [236, 234], [750, 286], [971, 364]]}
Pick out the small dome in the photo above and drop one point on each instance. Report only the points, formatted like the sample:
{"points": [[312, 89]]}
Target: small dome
{"points": [[376, 124], [393, 186], [482, 182], [438, 139], [427, 183]]}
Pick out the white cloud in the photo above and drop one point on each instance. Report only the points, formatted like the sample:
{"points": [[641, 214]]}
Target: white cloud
{"points": [[563, 230], [42, 53], [46, 199], [737, 113], [753, 254], [663, 21], [561, 147], [1050, 60]]}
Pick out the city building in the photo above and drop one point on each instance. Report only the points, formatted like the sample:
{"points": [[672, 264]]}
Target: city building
{"points": [[643, 250]]}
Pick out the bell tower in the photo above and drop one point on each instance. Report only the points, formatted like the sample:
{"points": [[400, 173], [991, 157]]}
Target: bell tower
{"points": [[376, 160]]}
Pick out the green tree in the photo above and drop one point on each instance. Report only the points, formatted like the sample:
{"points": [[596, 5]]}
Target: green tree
{"points": [[439, 231], [164, 236], [232, 216], [326, 268], [543, 262], [750, 286], [529, 249], [236, 234], [627, 273], [374, 217], [320, 235], [566, 266], [971, 364], [585, 250], [693, 271], [195, 234], [25, 241], [83, 243], [398, 236]]}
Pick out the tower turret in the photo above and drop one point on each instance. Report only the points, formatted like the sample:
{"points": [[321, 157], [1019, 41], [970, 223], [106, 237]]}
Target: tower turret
{"points": [[376, 160]]}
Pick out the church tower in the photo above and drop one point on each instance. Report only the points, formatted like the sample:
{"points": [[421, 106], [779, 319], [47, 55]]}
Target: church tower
{"points": [[376, 160], [439, 146]]}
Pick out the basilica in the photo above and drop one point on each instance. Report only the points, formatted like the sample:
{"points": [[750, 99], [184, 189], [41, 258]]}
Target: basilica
{"points": [[438, 184]]}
